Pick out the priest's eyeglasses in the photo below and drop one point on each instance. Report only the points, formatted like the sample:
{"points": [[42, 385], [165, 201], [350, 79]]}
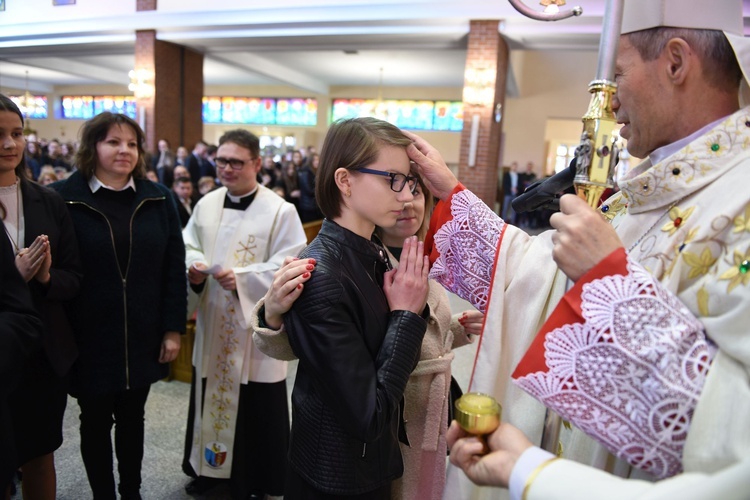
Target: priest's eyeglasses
{"points": [[233, 163], [398, 181]]}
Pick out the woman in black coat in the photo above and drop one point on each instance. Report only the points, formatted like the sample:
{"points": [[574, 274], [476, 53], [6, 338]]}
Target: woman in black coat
{"points": [[46, 249], [132, 307]]}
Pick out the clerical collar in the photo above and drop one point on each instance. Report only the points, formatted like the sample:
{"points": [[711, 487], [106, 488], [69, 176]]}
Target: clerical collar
{"points": [[663, 152], [240, 202], [95, 184]]}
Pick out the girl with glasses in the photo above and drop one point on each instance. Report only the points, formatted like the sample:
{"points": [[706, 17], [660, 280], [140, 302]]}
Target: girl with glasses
{"points": [[357, 328]]}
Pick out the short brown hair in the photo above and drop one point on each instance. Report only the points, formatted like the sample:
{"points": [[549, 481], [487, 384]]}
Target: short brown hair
{"points": [[720, 66], [243, 139], [351, 144], [95, 130]]}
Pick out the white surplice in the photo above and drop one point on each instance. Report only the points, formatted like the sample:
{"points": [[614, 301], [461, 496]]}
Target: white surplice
{"points": [[686, 220], [253, 243]]}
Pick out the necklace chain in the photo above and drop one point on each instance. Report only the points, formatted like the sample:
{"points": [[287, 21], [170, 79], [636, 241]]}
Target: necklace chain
{"points": [[652, 226], [17, 241]]}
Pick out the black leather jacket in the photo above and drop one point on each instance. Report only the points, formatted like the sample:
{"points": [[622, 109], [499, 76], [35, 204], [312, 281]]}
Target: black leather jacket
{"points": [[355, 357]]}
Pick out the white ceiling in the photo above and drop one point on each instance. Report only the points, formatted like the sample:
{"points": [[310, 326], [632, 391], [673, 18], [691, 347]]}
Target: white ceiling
{"points": [[312, 44]]}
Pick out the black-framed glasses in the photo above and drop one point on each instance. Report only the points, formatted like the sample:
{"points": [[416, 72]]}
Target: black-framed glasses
{"points": [[233, 163], [398, 181]]}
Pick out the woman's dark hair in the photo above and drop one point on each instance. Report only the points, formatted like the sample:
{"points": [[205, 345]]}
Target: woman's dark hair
{"points": [[351, 144], [95, 130], [7, 105]]}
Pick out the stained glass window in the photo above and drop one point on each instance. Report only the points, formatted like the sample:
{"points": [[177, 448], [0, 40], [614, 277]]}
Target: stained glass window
{"points": [[37, 108], [302, 112], [407, 114], [83, 107]]}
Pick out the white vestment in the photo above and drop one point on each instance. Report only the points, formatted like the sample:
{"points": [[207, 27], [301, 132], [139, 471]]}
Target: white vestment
{"points": [[687, 221], [253, 243]]}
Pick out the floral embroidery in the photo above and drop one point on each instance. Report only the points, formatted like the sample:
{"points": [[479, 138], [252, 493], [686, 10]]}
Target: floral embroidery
{"points": [[631, 375], [615, 206], [738, 274], [699, 265], [677, 218], [467, 246], [742, 222]]}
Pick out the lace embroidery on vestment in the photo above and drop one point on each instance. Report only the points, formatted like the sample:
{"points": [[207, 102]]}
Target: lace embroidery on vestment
{"points": [[467, 246], [631, 375]]}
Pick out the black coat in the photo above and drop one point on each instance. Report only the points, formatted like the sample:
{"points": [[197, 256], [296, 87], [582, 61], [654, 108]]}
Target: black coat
{"points": [[20, 332], [44, 212], [355, 357], [120, 319]]}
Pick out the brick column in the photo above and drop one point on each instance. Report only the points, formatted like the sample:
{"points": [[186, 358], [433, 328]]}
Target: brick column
{"points": [[174, 112], [486, 51]]}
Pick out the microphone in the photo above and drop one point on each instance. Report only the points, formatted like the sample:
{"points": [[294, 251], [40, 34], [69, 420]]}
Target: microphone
{"points": [[545, 193]]}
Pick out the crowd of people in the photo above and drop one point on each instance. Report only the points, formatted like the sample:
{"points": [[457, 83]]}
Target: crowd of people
{"points": [[629, 320]]}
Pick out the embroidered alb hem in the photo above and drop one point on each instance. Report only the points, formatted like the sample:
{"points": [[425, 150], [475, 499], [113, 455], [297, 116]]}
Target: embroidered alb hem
{"points": [[631, 375]]}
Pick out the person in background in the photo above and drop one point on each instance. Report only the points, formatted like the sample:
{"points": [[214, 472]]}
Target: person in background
{"points": [[660, 285], [181, 156], [54, 157], [511, 187], [33, 157], [132, 306], [47, 178], [268, 174], [198, 165], [235, 240], [40, 229], [205, 186], [163, 163], [427, 401], [183, 191], [308, 206]]}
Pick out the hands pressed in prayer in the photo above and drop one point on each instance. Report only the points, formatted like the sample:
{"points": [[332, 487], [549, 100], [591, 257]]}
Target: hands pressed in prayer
{"points": [[30, 260], [406, 287]]}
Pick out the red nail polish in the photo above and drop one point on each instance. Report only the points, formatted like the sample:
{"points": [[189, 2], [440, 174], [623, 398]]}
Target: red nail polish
{"points": [[299, 287], [309, 267], [306, 275]]}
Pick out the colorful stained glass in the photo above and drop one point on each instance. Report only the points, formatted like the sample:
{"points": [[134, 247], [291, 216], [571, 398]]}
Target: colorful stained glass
{"points": [[407, 114], [303, 112], [449, 115], [83, 107], [37, 108]]}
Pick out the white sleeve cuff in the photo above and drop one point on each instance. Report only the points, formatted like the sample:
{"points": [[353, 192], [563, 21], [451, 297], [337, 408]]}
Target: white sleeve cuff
{"points": [[526, 464]]}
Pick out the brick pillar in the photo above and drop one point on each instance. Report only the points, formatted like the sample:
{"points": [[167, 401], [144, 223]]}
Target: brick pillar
{"points": [[486, 51], [174, 112]]}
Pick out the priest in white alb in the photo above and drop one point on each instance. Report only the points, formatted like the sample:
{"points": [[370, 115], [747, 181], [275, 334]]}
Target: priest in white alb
{"points": [[237, 237]]}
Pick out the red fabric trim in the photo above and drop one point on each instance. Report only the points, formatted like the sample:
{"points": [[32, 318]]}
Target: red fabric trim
{"points": [[489, 301], [568, 311], [441, 214]]}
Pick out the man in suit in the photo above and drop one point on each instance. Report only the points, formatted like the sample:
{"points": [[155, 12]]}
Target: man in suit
{"points": [[198, 165], [183, 192]]}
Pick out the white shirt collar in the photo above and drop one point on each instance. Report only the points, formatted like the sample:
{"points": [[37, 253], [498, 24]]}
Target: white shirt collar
{"points": [[659, 154], [95, 184], [236, 199]]}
